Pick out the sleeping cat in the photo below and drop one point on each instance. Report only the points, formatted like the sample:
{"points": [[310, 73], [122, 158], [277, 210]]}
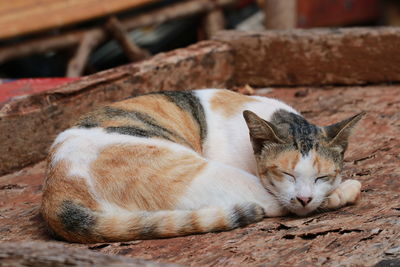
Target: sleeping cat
{"points": [[176, 163]]}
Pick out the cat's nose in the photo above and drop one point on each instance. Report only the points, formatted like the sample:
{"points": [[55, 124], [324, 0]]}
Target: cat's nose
{"points": [[304, 200]]}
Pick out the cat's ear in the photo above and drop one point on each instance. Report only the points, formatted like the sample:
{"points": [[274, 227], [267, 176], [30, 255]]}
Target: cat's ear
{"points": [[260, 131], [338, 133]]}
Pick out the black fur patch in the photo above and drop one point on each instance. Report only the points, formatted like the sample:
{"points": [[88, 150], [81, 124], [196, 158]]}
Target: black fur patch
{"points": [[149, 231], [188, 102], [244, 214], [87, 123], [303, 133], [76, 218], [135, 131], [138, 116]]}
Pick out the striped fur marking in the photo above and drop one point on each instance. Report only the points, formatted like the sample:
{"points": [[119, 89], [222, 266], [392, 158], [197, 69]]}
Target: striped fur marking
{"points": [[175, 116], [190, 103]]}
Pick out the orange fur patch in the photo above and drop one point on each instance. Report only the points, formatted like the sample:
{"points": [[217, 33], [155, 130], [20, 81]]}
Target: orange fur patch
{"points": [[221, 222], [274, 173], [284, 161], [143, 177], [169, 226], [194, 223], [287, 160], [229, 103], [323, 165]]}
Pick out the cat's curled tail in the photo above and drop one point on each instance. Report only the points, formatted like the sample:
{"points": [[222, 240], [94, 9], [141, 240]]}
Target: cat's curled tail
{"points": [[77, 223]]}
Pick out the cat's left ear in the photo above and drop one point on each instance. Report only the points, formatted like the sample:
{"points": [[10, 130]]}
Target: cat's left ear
{"points": [[261, 131], [339, 133]]}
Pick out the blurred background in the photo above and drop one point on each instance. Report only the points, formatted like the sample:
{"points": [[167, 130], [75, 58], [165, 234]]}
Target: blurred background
{"points": [[72, 38]]}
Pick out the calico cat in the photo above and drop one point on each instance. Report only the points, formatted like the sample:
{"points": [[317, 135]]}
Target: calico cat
{"points": [[176, 163]]}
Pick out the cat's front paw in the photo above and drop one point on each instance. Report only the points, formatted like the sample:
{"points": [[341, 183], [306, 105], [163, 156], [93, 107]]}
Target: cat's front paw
{"points": [[347, 193]]}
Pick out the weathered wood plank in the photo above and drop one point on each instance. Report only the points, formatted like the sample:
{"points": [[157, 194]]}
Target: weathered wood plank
{"points": [[315, 57], [28, 16]]}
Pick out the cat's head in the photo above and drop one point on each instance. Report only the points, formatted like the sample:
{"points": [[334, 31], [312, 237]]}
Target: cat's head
{"points": [[298, 162]]}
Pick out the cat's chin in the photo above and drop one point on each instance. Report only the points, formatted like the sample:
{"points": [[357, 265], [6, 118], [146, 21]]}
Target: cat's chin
{"points": [[301, 212]]}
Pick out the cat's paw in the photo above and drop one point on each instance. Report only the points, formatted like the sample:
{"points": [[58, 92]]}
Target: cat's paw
{"points": [[347, 192]]}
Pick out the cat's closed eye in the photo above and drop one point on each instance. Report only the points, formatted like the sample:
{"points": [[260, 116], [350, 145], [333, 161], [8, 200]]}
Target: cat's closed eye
{"points": [[288, 174], [323, 178]]}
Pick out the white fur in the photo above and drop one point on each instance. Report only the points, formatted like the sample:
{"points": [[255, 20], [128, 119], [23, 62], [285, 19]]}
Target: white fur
{"points": [[228, 138]]}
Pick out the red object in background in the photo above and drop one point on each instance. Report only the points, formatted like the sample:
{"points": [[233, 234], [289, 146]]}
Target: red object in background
{"points": [[13, 88], [325, 13]]}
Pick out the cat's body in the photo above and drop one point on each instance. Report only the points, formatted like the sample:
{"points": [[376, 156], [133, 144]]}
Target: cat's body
{"points": [[177, 163]]}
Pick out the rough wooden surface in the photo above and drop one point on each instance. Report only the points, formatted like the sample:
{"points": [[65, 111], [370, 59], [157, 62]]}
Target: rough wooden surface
{"points": [[47, 254], [361, 235], [315, 57], [29, 124]]}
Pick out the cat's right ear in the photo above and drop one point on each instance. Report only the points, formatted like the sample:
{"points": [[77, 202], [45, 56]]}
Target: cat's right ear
{"points": [[339, 133], [261, 131]]}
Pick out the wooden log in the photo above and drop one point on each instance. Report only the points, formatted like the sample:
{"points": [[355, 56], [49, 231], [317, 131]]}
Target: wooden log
{"points": [[34, 253], [29, 124], [346, 56], [131, 50], [78, 62], [70, 39]]}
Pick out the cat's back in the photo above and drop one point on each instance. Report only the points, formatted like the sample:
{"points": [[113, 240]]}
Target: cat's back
{"points": [[227, 103], [208, 122]]}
